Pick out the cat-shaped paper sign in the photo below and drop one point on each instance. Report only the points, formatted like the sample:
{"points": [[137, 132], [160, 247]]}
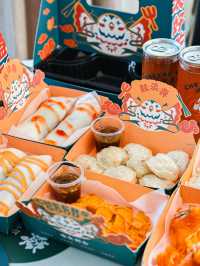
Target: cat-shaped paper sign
{"points": [[17, 84], [155, 106]]}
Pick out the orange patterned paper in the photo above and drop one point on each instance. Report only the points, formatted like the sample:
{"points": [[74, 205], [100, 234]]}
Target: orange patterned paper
{"points": [[46, 11], [50, 1], [47, 49], [43, 37], [51, 24], [70, 43], [67, 28]]}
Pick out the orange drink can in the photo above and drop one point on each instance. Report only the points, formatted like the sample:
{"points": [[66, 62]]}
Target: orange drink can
{"points": [[160, 60], [188, 83]]}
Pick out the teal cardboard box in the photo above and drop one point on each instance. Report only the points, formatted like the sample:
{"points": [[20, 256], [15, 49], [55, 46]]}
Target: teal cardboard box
{"points": [[95, 47], [98, 233], [77, 24]]}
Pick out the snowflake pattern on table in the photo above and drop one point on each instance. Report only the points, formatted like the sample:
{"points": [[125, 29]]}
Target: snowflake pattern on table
{"points": [[34, 242], [16, 230]]}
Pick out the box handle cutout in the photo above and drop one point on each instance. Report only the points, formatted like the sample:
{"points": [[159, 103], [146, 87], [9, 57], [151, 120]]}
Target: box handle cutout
{"points": [[128, 6]]}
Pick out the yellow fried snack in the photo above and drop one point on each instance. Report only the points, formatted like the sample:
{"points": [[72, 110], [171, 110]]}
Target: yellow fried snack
{"points": [[119, 221], [184, 236]]}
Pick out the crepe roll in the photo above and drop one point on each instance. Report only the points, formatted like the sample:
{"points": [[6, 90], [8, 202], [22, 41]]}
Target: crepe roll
{"points": [[9, 158], [86, 109], [7, 200], [27, 170], [47, 117], [18, 181]]}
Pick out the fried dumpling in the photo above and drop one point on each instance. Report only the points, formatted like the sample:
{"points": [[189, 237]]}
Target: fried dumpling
{"points": [[163, 166], [140, 167], [155, 182], [89, 163], [123, 173], [138, 151], [111, 157], [180, 158]]}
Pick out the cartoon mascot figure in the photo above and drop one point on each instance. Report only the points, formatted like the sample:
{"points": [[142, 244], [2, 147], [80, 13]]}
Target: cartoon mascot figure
{"points": [[109, 34]]}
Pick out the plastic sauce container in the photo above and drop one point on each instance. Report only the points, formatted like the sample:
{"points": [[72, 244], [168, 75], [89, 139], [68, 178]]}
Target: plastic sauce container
{"points": [[65, 179], [160, 61], [107, 131]]}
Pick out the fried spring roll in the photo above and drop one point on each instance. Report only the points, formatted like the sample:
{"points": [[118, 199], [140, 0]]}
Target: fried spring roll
{"points": [[86, 109], [47, 117]]}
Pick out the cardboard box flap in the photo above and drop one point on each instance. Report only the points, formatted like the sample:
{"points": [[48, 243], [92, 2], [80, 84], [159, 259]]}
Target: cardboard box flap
{"points": [[77, 24]]}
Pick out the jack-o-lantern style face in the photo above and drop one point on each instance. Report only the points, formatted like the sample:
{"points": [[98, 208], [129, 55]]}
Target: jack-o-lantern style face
{"points": [[152, 106], [110, 35], [109, 23]]}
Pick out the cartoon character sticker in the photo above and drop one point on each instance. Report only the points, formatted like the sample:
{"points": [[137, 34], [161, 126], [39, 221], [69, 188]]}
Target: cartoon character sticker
{"points": [[152, 105], [109, 34], [16, 82]]}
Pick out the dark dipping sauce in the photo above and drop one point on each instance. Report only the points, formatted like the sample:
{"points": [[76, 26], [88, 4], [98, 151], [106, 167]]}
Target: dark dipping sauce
{"points": [[66, 194], [104, 141]]}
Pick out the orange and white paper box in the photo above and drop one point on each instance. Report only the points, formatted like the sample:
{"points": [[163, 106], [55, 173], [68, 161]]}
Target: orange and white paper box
{"points": [[30, 148], [185, 195], [80, 228], [54, 91], [153, 115]]}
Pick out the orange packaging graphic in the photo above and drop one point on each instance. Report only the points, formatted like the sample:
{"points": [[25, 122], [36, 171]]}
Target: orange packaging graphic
{"points": [[18, 88], [189, 80]]}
